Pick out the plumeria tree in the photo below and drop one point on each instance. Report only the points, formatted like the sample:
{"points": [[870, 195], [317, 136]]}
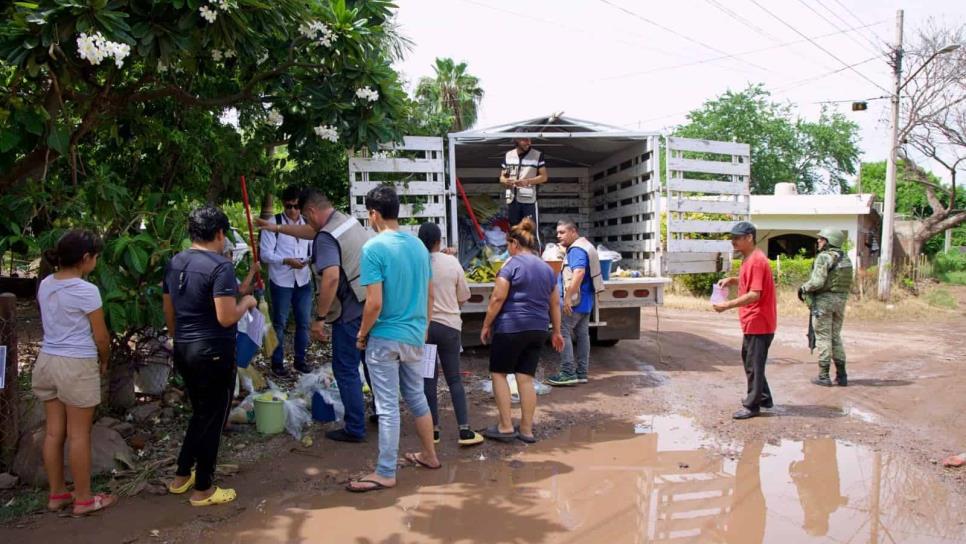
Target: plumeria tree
{"points": [[120, 116]]}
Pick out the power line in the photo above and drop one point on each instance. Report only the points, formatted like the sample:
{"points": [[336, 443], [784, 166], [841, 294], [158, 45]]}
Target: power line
{"points": [[749, 52], [876, 47], [829, 21], [852, 100], [680, 35], [829, 53], [859, 19], [730, 13]]}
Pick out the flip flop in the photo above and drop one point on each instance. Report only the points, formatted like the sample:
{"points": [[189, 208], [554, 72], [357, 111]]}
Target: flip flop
{"points": [[414, 458], [68, 499], [98, 502], [220, 496], [376, 486], [493, 433], [184, 488], [524, 438]]}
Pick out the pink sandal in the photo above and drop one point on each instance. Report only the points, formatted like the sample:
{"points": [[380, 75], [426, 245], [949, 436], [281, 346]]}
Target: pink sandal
{"points": [[97, 502], [64, 500]]}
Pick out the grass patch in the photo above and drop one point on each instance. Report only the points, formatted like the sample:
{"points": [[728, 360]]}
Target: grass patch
{"points": [[941, 298], [954, 278], [25, 502]]}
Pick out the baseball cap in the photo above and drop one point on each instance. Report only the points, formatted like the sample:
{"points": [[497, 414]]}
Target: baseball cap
{"points": [[743, 228]]}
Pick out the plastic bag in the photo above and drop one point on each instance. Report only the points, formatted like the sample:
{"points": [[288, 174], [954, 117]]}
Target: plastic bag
{"points": [[553, 252], [719, 295], [541, 388], [331, 396], [316, 380], [495, 237], [605, 254], [297, 416]]}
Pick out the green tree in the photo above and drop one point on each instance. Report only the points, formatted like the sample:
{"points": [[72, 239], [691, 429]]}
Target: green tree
{"points": [[449, 100], [110, 119], [816, 155], [911, 198]]}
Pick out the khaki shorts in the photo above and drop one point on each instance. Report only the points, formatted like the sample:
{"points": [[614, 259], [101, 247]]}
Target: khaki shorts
{"points": [[74, 381]]}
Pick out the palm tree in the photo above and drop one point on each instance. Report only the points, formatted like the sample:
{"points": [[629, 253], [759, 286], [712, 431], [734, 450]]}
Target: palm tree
{"points": [[453, 92]]}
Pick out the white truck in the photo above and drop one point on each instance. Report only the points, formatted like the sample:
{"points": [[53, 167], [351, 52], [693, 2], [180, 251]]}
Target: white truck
{"points": [[605, 178]]}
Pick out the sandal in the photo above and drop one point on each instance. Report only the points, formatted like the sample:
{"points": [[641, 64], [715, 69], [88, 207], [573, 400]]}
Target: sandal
{"points": [[184, 488], [524, 438], [414, 458], [220, 496], [97, 503], [64, 500], [494, 433], [376, 486]]}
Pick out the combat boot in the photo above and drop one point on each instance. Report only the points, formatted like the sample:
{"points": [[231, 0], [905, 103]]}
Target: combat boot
{"points": [[841, 380], [823, 381]]}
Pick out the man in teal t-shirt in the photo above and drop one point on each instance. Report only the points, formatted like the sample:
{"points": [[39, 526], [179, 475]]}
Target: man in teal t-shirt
{"points": [[399, 299]]}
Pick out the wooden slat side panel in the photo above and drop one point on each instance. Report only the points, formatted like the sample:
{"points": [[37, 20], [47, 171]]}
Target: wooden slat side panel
{"points": [[401, 165], [696, 226], [676, 143], [708, 186], [709, 206], [699, 246], [709, 167]]}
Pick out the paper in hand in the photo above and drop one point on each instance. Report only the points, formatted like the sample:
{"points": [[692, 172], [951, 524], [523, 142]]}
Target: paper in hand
{"points": [[429, 360], [719, 295]]}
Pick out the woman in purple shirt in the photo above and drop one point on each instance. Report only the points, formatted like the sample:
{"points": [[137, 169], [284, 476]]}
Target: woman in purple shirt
{"points": [[522, 305]]}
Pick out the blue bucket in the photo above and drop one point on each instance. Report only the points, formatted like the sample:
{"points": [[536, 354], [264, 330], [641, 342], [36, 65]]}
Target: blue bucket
{"points": [[321, 410], [245, 350], [605, 269]]}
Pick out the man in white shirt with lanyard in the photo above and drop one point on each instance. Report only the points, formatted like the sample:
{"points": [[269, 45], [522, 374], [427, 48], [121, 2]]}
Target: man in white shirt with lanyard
{"points": [[523, 169], [290, 281]]}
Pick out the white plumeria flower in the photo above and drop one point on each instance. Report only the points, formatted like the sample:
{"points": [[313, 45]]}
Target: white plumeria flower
{"points": [[230, 53], [316, 30], [208, 14], [367, 93], [327, 132], [275, 118], [216, 55], [96, 48]]}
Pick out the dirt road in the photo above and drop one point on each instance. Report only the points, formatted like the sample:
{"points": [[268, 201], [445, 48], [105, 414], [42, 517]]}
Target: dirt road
{"points": [[646, 452]]}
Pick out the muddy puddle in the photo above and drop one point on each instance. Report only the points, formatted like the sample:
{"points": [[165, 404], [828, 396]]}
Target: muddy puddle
{"points": [[653, 480]]}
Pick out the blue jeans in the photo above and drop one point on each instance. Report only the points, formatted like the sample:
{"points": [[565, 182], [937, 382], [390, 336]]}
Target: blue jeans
{"points": [[345, 368], [394, 367], [283, 300], [575, 327]]}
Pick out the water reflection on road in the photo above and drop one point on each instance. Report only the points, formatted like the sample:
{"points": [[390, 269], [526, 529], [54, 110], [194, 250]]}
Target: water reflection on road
{"points": [[655, 480]]}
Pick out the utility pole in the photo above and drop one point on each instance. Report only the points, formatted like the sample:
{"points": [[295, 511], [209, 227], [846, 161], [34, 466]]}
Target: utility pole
{"points": [[889, 207]]}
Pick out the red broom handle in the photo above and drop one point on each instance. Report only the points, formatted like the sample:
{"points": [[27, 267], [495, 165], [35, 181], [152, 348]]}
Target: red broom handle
{"points": [[469, 209], [251, 233]]}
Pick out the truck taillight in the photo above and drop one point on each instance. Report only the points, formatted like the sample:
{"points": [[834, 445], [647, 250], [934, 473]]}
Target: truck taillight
{"points": [[642, 293], [620, 293], [476, 298]]}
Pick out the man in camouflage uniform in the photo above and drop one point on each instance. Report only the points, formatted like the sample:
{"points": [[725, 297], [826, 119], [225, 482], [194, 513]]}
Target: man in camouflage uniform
{"points": [[826, 293]]}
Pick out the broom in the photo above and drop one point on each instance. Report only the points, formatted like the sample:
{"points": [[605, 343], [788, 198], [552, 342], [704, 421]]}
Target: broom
{"points": [[270, 342]]}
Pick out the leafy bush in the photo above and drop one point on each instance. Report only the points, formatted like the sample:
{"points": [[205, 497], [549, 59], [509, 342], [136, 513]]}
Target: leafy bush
{"points": [[792, 272], [950, 267], [699, 285]]}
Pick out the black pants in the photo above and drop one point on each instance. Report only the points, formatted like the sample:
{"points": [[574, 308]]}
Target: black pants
{"points": [[517, 212], [208, 369], [447, 341], [754, 354]]}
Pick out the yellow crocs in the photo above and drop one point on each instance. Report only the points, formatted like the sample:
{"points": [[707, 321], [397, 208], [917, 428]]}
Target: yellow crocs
{"points": [[184, 488], [220, 496]]}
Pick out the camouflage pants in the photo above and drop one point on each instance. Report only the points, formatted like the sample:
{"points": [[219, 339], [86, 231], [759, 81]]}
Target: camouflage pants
{"points": [[828, 312]]}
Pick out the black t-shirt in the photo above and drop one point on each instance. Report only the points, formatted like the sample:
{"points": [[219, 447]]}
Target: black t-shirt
{"points": [[193, 278]]}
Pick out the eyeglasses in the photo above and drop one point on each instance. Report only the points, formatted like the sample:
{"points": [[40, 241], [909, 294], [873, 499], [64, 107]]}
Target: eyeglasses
{"points": [[291, 206]]}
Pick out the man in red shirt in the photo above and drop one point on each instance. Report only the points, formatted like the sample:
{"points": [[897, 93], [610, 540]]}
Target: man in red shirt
{"points": [[758, 313]]}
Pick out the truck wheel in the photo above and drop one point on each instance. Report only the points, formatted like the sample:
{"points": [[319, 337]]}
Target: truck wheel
{"points": [[601, 343]]}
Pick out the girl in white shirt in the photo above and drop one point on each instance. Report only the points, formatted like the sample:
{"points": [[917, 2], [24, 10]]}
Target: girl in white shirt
{"points": [[67, 374]]}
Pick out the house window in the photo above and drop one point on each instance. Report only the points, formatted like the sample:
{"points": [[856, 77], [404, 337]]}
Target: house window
{"points": [[790, 245]]}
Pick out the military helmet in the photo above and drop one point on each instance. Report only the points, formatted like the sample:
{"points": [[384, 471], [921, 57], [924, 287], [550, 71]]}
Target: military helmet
{"points": [[834, 237]]}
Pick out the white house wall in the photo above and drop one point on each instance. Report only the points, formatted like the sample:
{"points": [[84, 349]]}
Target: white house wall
{"points": [[777, 225]]}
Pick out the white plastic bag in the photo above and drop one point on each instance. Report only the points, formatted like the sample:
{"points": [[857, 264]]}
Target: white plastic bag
{"points": [[541, 388], [331, 396], [553, 252], [605, 254], [297, 416], [719, 295]]}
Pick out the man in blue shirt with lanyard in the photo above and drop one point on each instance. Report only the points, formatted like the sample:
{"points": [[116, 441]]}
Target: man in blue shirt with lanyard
{"points": [[580, 281], [290, 281]]}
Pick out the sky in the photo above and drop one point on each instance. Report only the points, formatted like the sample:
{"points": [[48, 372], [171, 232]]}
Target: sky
{"points": [[645, 64]]}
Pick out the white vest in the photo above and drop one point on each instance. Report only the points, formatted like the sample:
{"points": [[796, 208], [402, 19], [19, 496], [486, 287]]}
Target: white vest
{"points": [[349, 236], [597, 281], [525, 167]]}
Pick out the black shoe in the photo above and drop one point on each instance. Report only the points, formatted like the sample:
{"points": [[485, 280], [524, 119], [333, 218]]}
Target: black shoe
{"points": [[302, 367], [279, 370], [340, 435], [842, 380], [768, 404], [374, 419], [824, 382], [745, 413]]}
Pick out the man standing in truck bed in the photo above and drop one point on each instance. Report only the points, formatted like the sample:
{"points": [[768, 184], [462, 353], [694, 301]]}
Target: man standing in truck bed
{"points": [[523, 170]]}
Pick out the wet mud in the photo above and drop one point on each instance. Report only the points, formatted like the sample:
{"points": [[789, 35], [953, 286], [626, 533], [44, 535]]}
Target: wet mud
{"points": [[652, 480]]}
